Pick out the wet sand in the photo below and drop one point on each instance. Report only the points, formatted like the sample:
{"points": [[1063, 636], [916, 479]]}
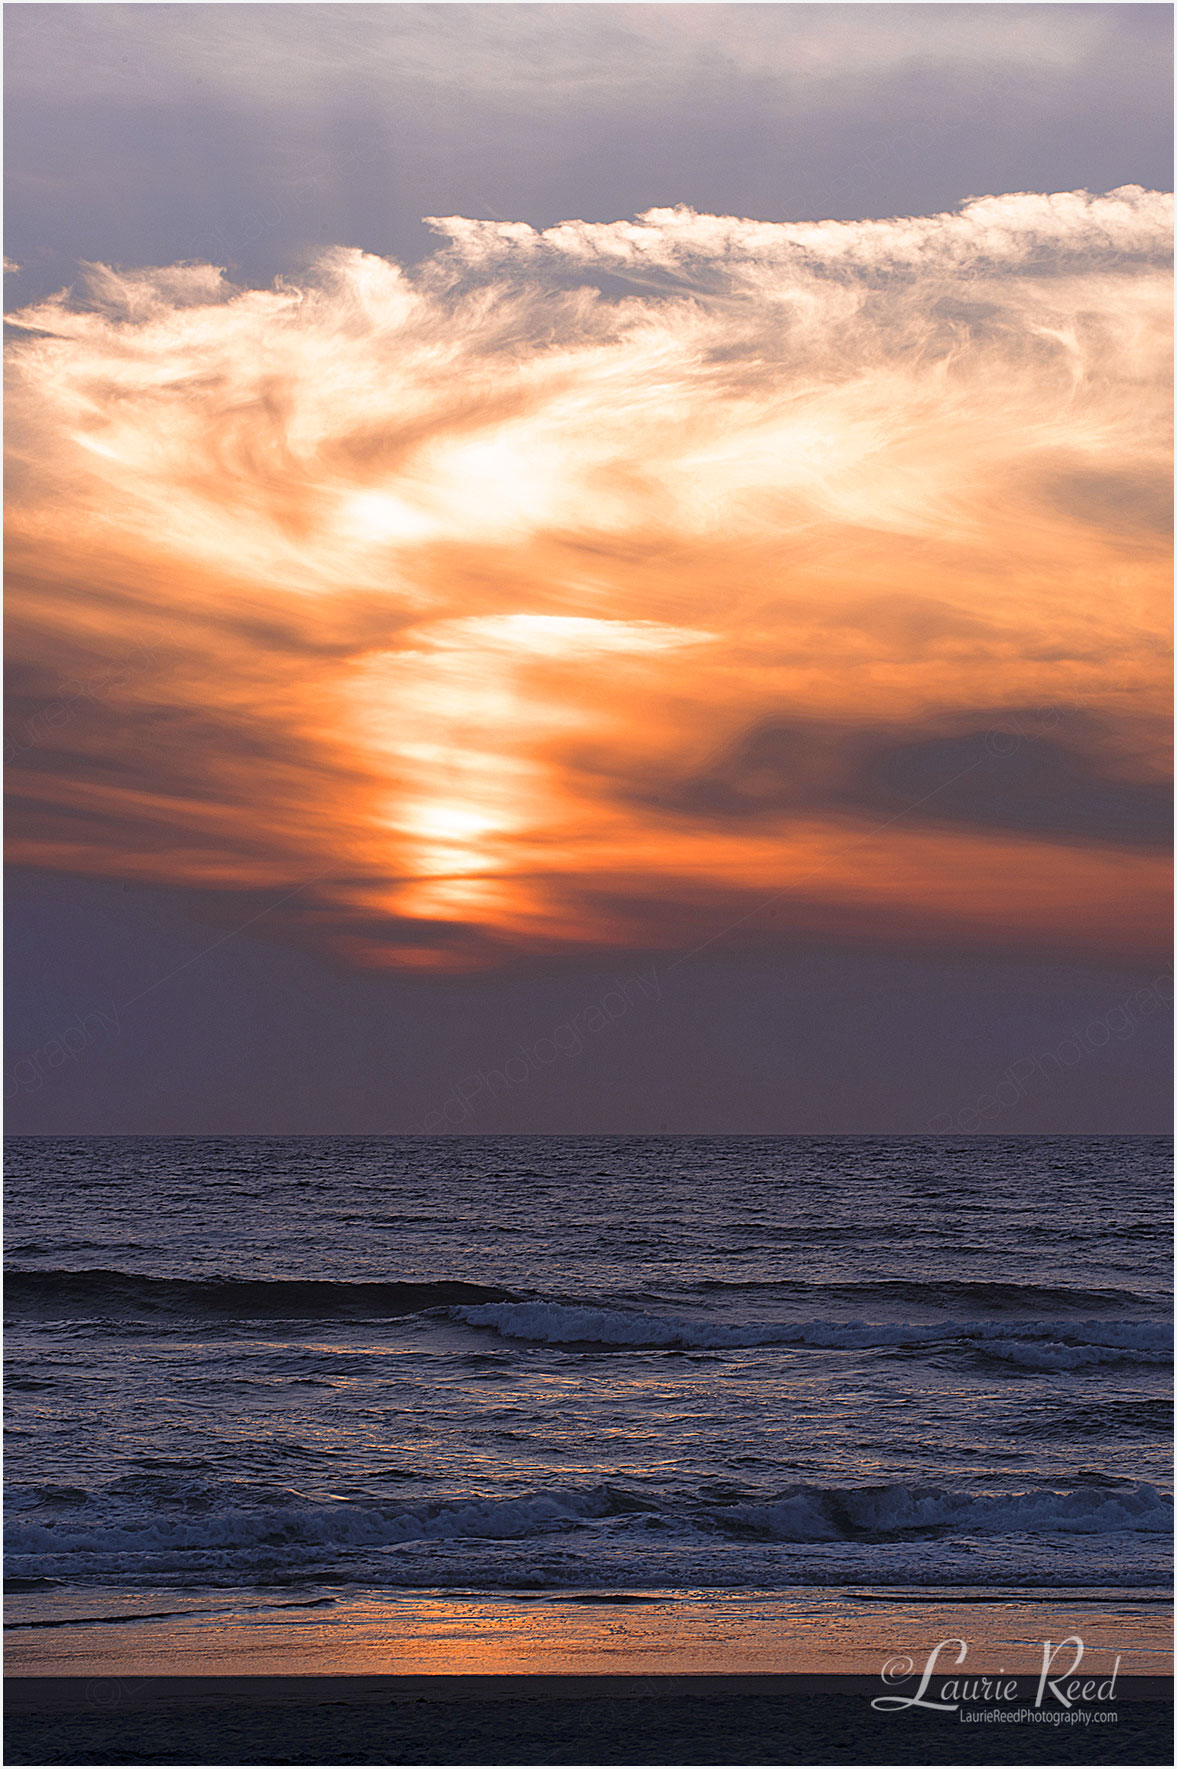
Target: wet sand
{"points": [[75, 1633]]}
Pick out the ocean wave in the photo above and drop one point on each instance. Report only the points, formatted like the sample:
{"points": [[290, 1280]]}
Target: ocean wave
{"points": [[138, 1540], [1154, 1346], [1054, 1344], [970, 1293], [1061, 1344], [840, 1514], [290, 1524], [101, 1292], [1136, 1416]]}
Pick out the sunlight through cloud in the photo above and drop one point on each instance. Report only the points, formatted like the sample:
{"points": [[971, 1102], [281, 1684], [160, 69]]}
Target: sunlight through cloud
{"points": [[512, 617]]}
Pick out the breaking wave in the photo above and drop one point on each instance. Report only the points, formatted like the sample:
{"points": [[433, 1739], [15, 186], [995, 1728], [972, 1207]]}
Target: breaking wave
{"points": [[194, 1530], [1064, 1343], [1041, 1345]]}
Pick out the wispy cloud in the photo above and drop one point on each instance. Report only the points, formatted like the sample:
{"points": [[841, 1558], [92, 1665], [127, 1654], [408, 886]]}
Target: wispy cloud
{"points": [[443, 577], [547, 54]]}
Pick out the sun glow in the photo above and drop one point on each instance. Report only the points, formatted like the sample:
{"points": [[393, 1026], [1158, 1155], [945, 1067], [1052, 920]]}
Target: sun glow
{"points": [[524, 620], [376, 516]]}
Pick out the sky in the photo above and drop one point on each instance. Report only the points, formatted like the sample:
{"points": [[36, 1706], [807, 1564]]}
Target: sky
{"points": [[588, 568]]}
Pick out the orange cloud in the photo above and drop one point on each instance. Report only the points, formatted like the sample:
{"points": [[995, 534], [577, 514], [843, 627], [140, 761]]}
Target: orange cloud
{"points": [[453, 606]]}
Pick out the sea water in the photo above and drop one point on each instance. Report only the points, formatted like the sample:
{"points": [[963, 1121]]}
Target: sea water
{"points": [[582, 1363]]}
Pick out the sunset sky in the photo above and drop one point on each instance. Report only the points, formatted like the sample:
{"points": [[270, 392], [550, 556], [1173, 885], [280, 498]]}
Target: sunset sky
{"points": [[638, 533]]}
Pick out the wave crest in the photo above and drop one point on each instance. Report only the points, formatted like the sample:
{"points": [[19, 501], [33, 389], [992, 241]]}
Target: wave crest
{"points": [[1042, 1345], [120, 1292]]}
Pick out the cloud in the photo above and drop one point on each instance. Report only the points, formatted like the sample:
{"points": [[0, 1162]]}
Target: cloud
{"points": [[255, 135], [410, 591], [538, 53], [1037, 771], [1023, 231]]}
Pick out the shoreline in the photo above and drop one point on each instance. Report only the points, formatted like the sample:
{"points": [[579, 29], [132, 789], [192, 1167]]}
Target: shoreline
{"points": [[802, 1631], [618, 1677]]}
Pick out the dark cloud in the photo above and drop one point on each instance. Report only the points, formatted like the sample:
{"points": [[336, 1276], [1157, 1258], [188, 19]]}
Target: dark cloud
{"points": [[1002, 779], [1036, 772]]}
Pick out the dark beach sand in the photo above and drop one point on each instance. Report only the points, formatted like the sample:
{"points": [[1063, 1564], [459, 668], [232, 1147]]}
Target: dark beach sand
{"points": [[612, 1678], [543, 1719]]}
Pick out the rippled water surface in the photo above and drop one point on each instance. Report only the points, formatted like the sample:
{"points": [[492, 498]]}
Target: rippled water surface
{"points": [[538, 1362]]}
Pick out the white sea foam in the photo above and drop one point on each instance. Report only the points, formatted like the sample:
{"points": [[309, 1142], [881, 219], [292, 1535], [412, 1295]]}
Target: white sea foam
{"points": [[591, 1536], [799, 1514], [292, 1526]]}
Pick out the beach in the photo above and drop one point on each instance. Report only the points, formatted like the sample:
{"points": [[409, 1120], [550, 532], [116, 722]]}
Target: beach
{"points": [[610, 1678], [570, 1719]]}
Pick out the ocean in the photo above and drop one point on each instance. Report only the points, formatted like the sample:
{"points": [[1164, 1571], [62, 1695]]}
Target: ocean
{"points": [[299, 1366]]}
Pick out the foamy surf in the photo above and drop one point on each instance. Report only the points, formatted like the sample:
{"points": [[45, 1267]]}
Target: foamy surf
{"points": [[191, 1531]]}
